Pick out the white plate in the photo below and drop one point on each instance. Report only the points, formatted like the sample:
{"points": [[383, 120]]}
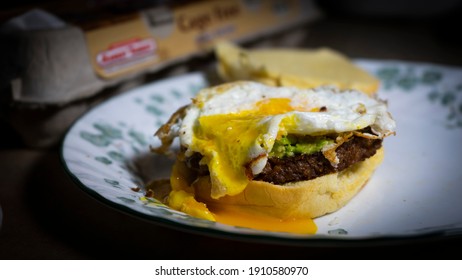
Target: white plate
{"points": [[416, 191]]}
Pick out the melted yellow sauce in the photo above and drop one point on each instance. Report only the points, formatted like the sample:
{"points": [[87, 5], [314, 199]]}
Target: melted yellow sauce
{"points": [[182, 198], [240, 217]]}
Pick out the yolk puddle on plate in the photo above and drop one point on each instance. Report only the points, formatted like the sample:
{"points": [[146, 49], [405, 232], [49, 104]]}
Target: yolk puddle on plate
{"points": [[235, 216], [180, 197]]}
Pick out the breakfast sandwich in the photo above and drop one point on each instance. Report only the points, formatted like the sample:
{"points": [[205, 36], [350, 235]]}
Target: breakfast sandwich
{"points": [[282, 152]]}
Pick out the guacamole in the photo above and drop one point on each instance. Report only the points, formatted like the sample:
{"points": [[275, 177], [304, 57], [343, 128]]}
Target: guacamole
{"points": [[291, 145]]}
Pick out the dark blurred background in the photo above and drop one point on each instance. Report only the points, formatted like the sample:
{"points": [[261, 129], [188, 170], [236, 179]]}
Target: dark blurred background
{"points": [[425, 31]]}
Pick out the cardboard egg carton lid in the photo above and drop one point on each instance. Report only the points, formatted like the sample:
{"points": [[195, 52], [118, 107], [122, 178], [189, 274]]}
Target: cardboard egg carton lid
{"points": [[50, 61]]}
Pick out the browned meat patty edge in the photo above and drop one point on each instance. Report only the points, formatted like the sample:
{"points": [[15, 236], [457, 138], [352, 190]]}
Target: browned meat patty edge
{"points": [[306, 167]]}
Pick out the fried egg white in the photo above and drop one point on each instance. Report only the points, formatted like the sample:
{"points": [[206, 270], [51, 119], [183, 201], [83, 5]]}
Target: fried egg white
{"points": [[237, 123]]}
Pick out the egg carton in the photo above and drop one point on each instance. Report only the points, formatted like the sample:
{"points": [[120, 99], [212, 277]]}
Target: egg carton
{"points": [[53, 71]]}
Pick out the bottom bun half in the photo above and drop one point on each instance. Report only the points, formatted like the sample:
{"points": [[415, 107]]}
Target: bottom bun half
{"points": [[304, 199]]}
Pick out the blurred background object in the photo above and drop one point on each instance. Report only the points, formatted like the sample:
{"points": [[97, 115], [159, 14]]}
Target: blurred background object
{"points": [[61, 60], [411, 9], [438, 17]]}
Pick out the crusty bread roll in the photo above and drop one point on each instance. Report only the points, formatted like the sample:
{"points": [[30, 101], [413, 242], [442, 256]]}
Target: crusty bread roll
{"points": [[311, 198]]}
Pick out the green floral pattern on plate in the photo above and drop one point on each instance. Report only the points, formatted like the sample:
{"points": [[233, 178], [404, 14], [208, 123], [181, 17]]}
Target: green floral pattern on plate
{"points": [[433, 81]]}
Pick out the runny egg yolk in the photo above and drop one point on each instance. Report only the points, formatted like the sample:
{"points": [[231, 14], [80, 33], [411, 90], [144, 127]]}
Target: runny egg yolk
{"points": [[273, 106], [182, 198], [236, 216], [224, 140]]}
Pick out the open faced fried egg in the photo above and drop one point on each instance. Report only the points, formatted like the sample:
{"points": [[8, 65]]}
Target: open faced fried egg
{"points": [[236, 125]]}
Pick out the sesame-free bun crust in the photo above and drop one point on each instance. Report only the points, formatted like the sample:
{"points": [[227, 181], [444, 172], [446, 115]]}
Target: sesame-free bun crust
{"points": [[311, 198]]}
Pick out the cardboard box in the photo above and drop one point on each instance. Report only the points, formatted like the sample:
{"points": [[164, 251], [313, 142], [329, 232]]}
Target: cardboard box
{"points": [[54, 70], [162, 35]]}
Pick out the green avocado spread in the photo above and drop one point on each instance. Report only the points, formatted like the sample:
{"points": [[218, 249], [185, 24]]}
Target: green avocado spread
{"points": [[291, 145]]}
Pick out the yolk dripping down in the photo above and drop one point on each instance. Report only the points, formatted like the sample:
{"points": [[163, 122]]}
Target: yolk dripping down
{"points": [[182, 198], [235, 216], [224, 140]]}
